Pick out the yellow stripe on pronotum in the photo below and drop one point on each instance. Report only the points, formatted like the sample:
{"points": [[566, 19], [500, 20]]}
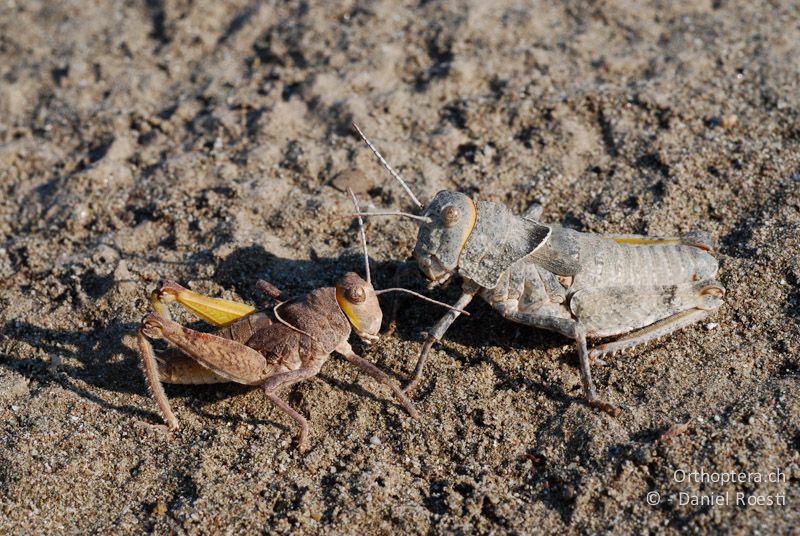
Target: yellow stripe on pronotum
{"points": [[474, 218], [347, 309]]}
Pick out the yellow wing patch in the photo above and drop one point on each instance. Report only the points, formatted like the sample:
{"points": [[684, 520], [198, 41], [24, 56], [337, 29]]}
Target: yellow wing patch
{"points": [[215, 311], [642, 241]]}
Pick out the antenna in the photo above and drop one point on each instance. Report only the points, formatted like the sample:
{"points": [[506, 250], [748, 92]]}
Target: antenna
{"points": [[421, 297], [362, 233], [391, 213], [389, 168], [358, 214], [287, 324]]}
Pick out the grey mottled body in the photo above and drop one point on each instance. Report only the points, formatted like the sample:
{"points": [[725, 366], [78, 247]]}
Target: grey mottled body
{"points": [[548, 276], [608, 287], [551, 277]]}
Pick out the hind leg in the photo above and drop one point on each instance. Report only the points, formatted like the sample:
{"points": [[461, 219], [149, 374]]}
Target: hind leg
{"points": [[236, 320], [150, 368], [649, 333], [588, 382], [642, 314], [174, 367], [555, 318], [215, 311], [224, 358]]}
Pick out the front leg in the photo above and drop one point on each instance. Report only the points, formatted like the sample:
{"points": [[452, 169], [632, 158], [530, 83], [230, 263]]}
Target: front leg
{"points": [[347, 351], [435, 334]]}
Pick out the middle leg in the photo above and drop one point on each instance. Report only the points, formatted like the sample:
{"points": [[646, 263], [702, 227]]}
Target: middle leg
{"points": [[285, 379]]}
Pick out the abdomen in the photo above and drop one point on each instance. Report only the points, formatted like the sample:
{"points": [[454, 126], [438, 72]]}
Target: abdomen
{"points": [[605, 263]]}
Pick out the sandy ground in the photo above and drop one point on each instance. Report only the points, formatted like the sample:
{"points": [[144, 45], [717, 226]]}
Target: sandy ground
{"points": [[199, 141]]}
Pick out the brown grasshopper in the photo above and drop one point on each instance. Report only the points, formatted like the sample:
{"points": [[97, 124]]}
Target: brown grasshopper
{"points": [[257, 348], [581, 285]]}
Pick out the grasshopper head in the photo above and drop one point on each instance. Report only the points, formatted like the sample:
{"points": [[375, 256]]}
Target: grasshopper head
{"points": [[452, 217], [360, 305]]}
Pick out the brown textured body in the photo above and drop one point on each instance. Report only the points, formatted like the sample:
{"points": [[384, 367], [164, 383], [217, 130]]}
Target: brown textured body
{"points": [[283, 348], [318, 315], [272, 349]]}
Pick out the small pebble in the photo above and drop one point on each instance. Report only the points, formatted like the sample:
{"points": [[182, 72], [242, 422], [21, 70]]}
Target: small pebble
{"points": [[160, 509], [374, 440], [123, 277], [729, 121], [711, 325], [355, 179]]}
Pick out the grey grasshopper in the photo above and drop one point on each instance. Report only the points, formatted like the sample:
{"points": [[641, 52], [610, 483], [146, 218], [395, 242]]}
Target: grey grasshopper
{"points": [[581, 285]]}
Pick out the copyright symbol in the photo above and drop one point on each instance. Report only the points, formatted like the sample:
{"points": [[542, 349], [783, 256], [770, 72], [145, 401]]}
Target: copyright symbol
{"points": [[653, 498]]}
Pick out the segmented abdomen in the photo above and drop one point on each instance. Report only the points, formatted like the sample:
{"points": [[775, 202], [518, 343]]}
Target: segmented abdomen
{"points": [[244, 328], [605, 263]]}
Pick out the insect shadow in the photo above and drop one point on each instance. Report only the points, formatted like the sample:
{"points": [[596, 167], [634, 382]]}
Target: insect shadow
{"points": [[105, 362], [98, 357]]}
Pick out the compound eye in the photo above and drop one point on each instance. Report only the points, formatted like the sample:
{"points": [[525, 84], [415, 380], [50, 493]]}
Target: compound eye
{"points": [[355, 294], [449, 216]]}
